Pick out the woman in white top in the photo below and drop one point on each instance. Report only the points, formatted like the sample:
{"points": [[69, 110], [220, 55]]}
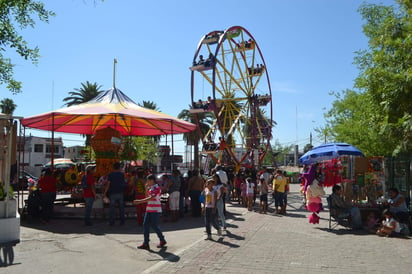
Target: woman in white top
{"points": [[390, 227], [250, 191]]}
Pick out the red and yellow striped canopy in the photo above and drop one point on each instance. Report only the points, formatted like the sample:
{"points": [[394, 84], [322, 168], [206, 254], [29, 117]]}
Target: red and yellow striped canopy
{"points": [[111, 108]]}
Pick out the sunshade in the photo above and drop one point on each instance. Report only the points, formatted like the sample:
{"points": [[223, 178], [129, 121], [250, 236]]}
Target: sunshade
{"points": [[329, 151], [111, 108], [61, 162]]}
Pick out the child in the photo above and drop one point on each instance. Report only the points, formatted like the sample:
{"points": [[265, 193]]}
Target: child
{"points": [[209, 209], [250, 191], [243, 187], [153, 212], [263, 191], [371, 222], [390, 227]]}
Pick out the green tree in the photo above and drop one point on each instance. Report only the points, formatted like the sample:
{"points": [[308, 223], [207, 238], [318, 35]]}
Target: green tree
{"points": [[18, 15], [281, 152], [204, 120], [139, 148], [7, 106], [84, 94], [355, 118], [386, 69]]}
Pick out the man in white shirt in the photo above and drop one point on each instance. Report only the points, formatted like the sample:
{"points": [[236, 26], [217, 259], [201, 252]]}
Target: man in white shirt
{"points": [[225, 181]]}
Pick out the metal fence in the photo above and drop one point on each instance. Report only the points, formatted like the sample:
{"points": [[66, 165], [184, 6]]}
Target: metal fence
{"points": [[398, 173]]}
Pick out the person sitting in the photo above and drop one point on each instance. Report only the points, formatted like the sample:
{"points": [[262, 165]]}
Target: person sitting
{"points": [[209, 61], [201, 60], [390, 227], [342, 209], [397, 205], [198, 104]]}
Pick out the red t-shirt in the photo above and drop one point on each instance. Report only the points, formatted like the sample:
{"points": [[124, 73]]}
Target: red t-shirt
{"points": [[88, 193], [48, 184]]}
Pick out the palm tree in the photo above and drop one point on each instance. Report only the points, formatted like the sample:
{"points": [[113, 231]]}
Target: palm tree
{"points": [[7, 106], [151, 105], [84, 94], [194, 137], [81, 95]]}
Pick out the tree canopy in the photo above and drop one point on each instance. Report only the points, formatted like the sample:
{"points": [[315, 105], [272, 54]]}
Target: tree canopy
{"points": [[14, 15], [378, 117]]}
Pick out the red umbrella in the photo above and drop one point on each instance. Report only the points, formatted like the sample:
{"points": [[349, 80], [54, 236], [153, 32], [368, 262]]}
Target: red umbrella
{"points": [[111, 108]]}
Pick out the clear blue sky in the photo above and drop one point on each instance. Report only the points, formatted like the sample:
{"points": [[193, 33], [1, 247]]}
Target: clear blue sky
{"points": [[308, 48]]}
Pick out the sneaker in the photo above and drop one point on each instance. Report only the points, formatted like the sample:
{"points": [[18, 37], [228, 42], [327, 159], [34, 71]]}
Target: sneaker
{"points": [[209, 237], [143, 246], [219, 232], [161, 244]]}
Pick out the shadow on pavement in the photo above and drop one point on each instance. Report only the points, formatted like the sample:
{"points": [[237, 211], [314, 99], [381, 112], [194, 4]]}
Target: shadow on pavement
{"points": [[234, 236], [165, 256], [345, 231], [222, 241], [101, 226]]}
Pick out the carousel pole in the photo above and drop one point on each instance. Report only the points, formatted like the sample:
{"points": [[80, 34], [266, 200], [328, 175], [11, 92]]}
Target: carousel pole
{"points": [[173, 151], [114, 72]]}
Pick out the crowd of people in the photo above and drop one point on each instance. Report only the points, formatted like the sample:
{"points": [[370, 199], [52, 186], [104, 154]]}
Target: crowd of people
{"points": [[174, 196]]}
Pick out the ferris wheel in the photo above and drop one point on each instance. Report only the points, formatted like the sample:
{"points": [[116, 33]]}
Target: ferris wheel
{"points": [[230, 87]]}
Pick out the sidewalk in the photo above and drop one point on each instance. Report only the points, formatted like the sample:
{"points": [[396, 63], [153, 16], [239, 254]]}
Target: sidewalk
{"points": [[254, 243]]}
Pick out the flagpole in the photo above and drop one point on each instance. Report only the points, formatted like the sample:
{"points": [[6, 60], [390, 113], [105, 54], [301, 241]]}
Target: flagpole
{"points": [[114, 72]]}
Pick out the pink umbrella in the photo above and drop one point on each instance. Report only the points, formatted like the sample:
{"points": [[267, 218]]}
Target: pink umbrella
{"points": [[111, 108]]}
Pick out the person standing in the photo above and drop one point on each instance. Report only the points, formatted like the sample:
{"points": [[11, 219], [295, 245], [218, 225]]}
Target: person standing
{"points": [[263, 191], [220, 189], [279, 183], [153, 212], [89, 193], [224, 179], [209, 209], [285, 194], [194, 188], [115, 190], [174, 194], [250, 191], [48, 187]]}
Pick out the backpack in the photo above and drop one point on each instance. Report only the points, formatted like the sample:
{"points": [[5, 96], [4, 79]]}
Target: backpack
{"points": [[84, 182]]}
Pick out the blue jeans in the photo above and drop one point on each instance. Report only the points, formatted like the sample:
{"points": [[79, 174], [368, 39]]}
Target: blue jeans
{"points": [[220, 213], [88, 209], [151, 219], [228, 193], [210, 219], [116, 197]]}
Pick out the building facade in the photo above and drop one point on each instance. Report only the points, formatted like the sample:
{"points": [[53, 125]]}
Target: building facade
{"points": [[34, 152]]}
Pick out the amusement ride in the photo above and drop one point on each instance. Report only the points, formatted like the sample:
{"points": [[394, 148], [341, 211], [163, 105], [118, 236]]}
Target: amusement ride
{"points": [[230, 88]]}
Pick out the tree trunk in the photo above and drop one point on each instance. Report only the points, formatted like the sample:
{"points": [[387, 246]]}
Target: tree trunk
{"points": [[196, 155]]}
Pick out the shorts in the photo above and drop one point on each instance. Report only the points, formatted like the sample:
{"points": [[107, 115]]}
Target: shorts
{"points": [[264, 198], [174, 200]]}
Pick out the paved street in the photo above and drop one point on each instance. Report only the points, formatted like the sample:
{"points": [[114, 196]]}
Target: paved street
{"points": [[254, 243]]}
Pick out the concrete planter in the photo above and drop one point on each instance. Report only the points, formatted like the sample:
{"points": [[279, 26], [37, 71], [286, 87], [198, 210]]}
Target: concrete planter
{"points": [[10, 230], [11, 209]]}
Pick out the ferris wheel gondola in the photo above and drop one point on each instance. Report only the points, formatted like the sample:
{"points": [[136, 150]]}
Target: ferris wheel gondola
{"points": [[230, 85]]}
